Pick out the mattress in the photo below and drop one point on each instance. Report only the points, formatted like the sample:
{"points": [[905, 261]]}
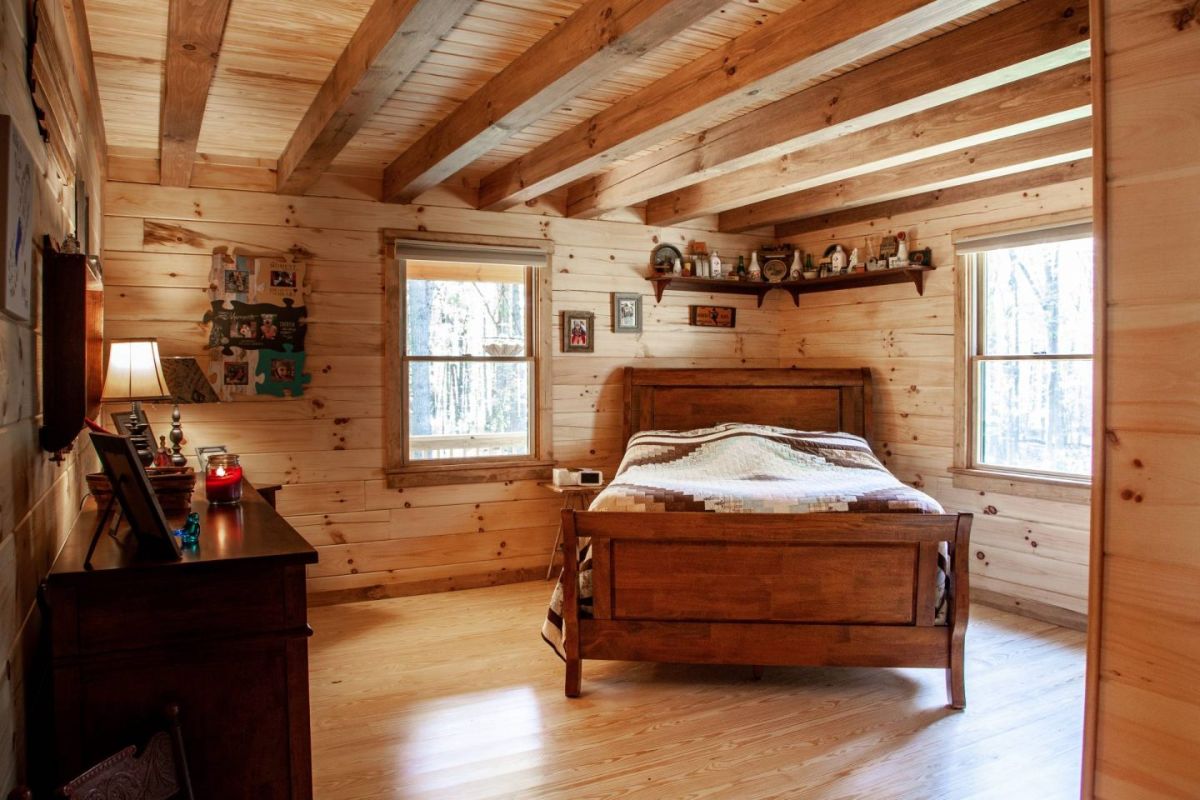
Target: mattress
{"points": [[748, 469]]}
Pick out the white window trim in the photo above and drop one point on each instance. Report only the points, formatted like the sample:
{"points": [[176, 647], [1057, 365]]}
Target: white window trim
{"points": [[967, 474], [403, 472]]}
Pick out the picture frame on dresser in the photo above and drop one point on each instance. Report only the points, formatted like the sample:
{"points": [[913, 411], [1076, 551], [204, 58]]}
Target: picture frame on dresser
{"points": [[132, 490]]}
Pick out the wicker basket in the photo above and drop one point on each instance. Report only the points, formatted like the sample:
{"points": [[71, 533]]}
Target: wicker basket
{"points": [[172, 485]]}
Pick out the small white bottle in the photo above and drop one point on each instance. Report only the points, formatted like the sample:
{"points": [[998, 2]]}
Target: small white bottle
{"points": [[755, 269], [714, 266], [838, 259], [794, 272], [677, 267], [902, 250]]}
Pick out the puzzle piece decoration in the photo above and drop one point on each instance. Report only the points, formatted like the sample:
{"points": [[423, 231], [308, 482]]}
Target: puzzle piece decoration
{"points": [[254, 326], [282, 372]]}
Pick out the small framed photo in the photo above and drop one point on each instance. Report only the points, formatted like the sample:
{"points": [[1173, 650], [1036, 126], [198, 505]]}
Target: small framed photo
{"points": [[627, 312], [713, 316], [203, 453], [578, 332], [237, 281], [133, 491], [237, 373]]}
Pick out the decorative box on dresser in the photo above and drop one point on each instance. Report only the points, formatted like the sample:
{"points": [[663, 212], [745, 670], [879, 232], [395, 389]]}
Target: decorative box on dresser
{"points": [[222, 632]]}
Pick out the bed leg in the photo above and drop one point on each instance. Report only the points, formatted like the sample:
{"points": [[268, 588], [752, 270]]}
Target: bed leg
{"points": [[574, 677], [956, 687]]}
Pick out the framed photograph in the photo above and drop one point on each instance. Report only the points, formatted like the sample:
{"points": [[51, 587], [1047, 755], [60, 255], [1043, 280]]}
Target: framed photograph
{"points": [[237, 281], [16, 277], [627, 312], [578, 332], [237, 373], [713, 316], [120, 421], [203, 453], [133, 491]]}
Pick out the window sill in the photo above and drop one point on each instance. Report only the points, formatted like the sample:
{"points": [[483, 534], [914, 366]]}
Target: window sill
{"points": [[1064, 490], [450, 474]]}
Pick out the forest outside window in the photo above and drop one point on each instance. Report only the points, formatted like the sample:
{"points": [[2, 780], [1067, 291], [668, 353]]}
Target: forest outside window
{"points": [[467, 366], [1028, 367]]}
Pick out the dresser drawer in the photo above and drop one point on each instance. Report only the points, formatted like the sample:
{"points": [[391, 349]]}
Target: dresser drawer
{"points": [[155, 610]]}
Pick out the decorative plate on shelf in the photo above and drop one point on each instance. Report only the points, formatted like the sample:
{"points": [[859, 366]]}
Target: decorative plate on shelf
{"points": [[662, 258], [775, 270]]}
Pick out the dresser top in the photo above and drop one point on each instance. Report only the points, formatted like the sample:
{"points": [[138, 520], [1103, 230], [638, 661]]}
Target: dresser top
{"points": [[249, 531]]}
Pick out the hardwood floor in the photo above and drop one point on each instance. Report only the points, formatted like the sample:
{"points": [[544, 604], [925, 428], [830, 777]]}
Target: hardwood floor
{"points": [[455, 696]]}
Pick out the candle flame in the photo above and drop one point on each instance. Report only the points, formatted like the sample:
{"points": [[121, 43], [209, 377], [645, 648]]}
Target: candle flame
{"points": [[220, 472]]}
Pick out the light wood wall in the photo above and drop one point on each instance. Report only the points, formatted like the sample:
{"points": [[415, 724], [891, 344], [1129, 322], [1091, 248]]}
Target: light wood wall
{"points": [[1144, 692], [39, 499], [327, 445], [1029, 553]]}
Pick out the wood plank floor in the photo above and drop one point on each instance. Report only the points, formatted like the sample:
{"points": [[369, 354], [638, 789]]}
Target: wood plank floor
{"points": [[455, 696]]}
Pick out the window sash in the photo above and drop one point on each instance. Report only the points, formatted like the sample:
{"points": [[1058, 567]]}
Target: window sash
{"points": [[976, 264], [460, 254]]}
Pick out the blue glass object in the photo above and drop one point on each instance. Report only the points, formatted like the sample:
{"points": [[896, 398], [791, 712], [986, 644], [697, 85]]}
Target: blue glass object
{"points": [[189, 534]]}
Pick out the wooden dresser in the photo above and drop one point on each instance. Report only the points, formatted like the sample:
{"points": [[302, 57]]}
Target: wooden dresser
{"points": [[223, 632]]}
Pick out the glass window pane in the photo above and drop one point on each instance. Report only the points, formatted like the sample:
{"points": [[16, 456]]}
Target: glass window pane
{"points": [[457, 309], [1036, 415], [463, 409], [1038, 299]]}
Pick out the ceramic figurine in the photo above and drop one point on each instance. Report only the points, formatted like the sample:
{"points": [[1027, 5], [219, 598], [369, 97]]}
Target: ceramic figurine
{"points": [[854, 259], [755, 269], [838, 259], [677, 267], [794, 272], [714, 265]]}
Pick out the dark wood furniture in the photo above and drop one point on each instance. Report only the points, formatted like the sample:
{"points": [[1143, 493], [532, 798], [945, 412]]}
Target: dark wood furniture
{"points": [[829, 589], [72, 345], [159, 771], [760, 288], [223, 633]]}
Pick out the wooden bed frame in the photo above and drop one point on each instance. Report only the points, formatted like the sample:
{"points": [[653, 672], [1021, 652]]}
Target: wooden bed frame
{"points": [[828, 589]]}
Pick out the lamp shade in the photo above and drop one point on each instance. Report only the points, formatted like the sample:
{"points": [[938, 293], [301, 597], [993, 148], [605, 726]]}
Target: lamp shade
{"points": [[134, 372]]}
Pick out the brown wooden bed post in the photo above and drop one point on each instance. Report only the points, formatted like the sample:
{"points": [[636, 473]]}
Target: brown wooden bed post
{"points": [[960, 610], [570, 584]]}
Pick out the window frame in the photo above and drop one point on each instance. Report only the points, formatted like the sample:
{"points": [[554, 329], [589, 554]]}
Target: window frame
{"points": [[401, 470], [968, 472]]}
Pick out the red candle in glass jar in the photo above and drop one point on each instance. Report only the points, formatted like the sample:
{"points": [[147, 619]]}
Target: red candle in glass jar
{"points": [[223, 479]]}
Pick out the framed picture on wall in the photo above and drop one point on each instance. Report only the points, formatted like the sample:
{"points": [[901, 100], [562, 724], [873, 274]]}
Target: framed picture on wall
{"points": [[626, 312], [578, 332], [16, 277], [713, 316]]}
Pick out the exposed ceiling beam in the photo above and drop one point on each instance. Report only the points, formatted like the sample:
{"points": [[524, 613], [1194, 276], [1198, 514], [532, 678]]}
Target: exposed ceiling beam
{"points": [[967, 192], [595, 41], [1037, 102], [1069, 141], [393, 38], [794, 47], [1020, 41], [194, 32]]}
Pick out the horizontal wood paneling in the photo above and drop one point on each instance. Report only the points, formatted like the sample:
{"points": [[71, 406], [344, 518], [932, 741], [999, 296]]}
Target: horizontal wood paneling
{"points": [[1022, 547], [327, 446]]}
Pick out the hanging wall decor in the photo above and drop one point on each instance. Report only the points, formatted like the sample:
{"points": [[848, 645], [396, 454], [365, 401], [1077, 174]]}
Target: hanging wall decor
{"points": [[16, 279], [258, 324]]}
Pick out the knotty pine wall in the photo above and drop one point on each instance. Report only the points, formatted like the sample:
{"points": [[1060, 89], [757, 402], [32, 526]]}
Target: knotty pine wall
{"points": [[1028, 552], [1144, 692], [326, 446], [39, 500]]}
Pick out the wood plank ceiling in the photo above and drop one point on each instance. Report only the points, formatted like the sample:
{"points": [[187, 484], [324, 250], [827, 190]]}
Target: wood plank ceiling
{"points": [[762, 112]]}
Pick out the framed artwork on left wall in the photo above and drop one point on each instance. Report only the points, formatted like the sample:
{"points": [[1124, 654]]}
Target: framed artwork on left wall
{"points": [[16, 277]]}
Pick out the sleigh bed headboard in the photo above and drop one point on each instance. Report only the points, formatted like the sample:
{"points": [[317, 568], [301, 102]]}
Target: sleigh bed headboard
{"points": [[804, 399]]}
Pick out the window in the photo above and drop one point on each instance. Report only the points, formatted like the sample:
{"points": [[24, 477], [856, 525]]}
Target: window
{"points": [[1028, 365], [465, 363]]}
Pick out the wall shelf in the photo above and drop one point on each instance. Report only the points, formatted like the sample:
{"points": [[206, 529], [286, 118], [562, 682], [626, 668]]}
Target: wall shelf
{"points": [[760, 289]]}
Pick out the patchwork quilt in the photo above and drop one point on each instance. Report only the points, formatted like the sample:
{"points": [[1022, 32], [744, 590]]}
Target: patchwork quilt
{"points": [[747, 469]]}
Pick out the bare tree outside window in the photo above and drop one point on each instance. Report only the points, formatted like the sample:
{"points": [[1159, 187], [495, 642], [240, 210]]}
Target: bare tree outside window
{"points": [[1031, 364]]}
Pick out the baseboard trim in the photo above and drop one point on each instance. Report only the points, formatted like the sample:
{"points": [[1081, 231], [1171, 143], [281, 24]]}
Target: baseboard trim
{"points": [[1031, 608], [451, 583]]}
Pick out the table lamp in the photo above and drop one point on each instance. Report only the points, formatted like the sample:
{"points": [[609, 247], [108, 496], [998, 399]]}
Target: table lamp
{"points": [[135, 374]]}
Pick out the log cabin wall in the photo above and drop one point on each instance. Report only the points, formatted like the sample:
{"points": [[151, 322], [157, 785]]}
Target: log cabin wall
{"points": [[1143, 694], [39, 499], [1030, 553], [326, 447]]}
